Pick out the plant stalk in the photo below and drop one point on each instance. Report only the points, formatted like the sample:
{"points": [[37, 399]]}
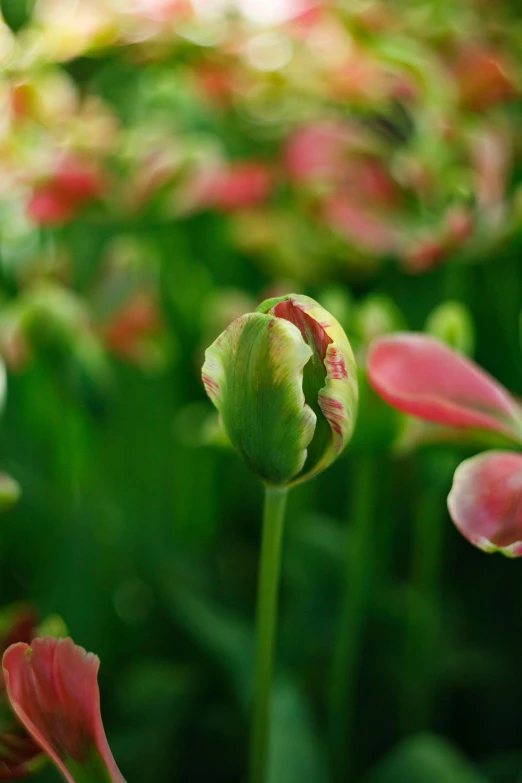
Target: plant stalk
{"points": [[266, 621]]}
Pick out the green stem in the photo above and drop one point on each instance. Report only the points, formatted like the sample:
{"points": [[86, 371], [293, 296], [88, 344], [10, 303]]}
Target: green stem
{"points": [[347, 650], [423, 619], [273, 519]]}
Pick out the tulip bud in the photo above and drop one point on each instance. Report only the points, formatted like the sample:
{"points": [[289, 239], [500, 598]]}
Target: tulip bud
{"points": [[9, 492], [451, 322], [284, 382]]}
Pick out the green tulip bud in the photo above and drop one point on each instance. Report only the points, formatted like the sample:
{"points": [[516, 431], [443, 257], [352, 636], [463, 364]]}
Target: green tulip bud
{"points": [[284, 382], [9, 492], [452, 323]]}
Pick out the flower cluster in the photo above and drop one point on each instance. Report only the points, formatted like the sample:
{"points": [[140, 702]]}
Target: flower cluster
{"points": [[374, 144]]}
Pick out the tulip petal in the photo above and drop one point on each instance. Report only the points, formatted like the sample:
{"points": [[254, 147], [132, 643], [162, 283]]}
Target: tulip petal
{"points": [[485, 501], [334, 381], [52, 687], [253, 373], [421, 376]]}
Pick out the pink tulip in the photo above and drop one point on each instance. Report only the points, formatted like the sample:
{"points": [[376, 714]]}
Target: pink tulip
{"points": [[360, 224], [316, 152], [421, 376], [233, 187], [47, 207], [485, 501], [53, 690], [70, 186]]}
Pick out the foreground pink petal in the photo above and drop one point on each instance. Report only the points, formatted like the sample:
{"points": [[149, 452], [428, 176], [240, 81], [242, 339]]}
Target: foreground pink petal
{"points": [[421, 376], [53, 689], [485, 501]]}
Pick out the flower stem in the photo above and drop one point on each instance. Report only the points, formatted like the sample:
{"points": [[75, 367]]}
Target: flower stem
{"points": [[268, 585], [347, 650]]}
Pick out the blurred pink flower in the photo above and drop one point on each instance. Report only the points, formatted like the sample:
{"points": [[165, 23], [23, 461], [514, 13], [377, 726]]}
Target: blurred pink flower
{"points": [[132, 325], [423, 254], [215, 81], [484, 78], [360, 224], [437, 245], [315, 152], [158, 10], [420, 376], [53, 690], [238, 186], [58, 198]]}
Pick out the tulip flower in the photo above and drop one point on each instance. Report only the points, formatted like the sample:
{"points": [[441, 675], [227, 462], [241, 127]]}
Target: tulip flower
{"points": [[239, 186], [59, 197], [53, 690], [420, 376], [283, 380]]}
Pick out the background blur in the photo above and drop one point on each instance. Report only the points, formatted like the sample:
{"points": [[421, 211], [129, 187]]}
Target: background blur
{"points": [[164, 166]]}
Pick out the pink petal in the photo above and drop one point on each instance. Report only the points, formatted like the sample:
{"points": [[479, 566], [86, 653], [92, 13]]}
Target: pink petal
{"points": [[241, 185], [48, 206], [485, 501], [421, 376], [360, 224], [77, 180], [53, 689]]}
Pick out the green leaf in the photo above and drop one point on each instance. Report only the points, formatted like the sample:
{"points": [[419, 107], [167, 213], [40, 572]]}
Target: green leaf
{"points": [[425, 758], [295, 751]]}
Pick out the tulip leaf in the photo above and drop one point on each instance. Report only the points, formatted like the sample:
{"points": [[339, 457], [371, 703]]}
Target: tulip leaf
{"points": [[425, 758]]}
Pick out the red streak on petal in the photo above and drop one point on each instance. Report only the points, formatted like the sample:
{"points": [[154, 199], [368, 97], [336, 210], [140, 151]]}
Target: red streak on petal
{"points": [[334, 412], [336, 365], [309, 328]]}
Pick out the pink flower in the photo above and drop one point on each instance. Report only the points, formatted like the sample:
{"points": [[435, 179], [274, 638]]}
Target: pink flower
{"points": [[53, 690], [131, 327], [316, 151], [59, 197], [239, 185], [420, 376], [360, 224], [485, 501]]}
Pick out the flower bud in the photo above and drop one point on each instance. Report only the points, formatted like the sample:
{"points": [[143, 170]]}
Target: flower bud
{"points": [[451, 322], [284, 382], [9, 492]]}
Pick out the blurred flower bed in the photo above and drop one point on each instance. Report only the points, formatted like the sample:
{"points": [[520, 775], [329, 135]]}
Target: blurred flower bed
{"points": [[164, 166]]}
